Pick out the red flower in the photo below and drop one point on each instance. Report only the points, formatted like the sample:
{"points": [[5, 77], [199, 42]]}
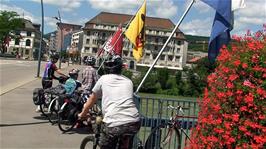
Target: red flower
{"points": [[244, 65], [235, 117], [237, 62], [248, 83], [249, 98]]}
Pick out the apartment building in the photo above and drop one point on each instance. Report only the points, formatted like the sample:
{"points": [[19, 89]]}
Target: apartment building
{"points": [[64, 33], [99, 28], [76, 41], [27, 46]]}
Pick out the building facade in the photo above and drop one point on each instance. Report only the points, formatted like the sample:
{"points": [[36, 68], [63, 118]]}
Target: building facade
{"points": [[99, 28], [28, 43], [64, 33]]}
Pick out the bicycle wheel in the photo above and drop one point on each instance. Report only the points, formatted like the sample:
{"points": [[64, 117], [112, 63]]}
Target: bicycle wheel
{"points": [[53, 111], [89, 143], [64, 123], [163, 137], [45, 105]]}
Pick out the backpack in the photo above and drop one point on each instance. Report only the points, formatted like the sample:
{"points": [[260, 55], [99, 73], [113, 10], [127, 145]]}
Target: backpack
{"points": [[38, 96]]}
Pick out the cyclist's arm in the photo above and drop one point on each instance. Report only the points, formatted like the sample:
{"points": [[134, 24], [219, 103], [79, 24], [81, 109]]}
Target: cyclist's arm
{"points": [[60, 73], [90, 102]]}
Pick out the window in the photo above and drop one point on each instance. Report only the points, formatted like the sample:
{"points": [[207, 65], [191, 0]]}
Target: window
{"points": [[27, 52], [28, 42], [88, 41], [179, 43], [28, 33], [162, 57], [170, 57], [88, 33], [94, 50], [17, 41], [156, 40]]}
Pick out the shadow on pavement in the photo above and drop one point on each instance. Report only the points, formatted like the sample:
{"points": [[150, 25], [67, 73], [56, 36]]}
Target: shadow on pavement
{"points": [[40, 117], [22, 124]]}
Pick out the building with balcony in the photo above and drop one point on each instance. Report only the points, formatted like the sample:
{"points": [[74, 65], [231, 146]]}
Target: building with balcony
{"points": [[28, 43], [99, 28]]}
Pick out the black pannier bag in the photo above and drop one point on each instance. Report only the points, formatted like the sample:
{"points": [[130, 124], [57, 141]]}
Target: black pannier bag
{"points": [[38, 96]]}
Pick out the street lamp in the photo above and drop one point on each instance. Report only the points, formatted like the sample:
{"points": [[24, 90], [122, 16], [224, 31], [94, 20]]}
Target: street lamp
{"points": [[61, 38]]}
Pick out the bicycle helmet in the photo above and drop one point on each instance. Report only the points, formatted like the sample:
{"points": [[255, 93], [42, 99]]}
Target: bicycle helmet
{"points": [[54, 56], [114, 65], [90, 60], [84, 59], [73, 73]]}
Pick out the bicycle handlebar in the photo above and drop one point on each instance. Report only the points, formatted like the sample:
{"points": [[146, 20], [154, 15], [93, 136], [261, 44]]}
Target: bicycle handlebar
{"points": [[179, 108]]}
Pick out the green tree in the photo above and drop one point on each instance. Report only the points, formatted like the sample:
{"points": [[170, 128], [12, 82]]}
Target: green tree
{"points": [[162, 76], [9, 22]]}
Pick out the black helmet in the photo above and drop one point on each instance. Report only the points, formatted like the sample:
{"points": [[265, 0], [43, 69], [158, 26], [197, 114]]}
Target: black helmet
{"points": [[73, 73], [90, 60], [114, 65], [84, 59], [54, 56]]}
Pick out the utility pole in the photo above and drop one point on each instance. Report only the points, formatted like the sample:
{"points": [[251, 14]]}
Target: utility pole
{"points": [[40, 49], [61, 37]]}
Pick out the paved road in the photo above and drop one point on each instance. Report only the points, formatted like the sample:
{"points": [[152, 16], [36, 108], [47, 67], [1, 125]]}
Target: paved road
{"points": [[21, 127], [14, 73]]}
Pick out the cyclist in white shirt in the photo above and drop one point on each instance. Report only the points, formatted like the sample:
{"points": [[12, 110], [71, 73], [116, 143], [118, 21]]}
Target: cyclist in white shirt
{"points": [[120, 114]]}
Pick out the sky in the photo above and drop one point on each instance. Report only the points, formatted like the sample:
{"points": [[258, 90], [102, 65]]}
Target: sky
{"points": [[198, 21]]}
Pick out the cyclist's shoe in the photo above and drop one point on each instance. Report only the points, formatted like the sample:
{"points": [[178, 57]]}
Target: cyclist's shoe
{"points": [[38, 109]]}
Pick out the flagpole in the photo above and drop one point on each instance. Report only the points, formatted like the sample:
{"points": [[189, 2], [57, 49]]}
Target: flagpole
{"points": [[119, 36], [165, 44]]}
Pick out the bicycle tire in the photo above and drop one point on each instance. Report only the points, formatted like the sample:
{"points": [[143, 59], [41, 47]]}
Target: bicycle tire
{"points": [[89, 142], [63, 123], [151, 144], [53, 112], [45, 105]]}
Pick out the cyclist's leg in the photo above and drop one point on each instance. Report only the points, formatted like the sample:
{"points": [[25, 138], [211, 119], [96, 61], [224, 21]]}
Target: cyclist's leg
{"points": [[128, 132], [108, 139]]}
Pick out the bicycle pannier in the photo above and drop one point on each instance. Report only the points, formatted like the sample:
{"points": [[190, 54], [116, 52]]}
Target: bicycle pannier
{"points": [[38, 96]]}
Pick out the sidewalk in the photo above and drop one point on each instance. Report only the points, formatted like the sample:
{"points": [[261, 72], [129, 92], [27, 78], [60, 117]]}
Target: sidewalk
{"points": [[22, 127]]}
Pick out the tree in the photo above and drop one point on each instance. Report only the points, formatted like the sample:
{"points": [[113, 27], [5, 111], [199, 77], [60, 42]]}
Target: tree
{"points": [[9, 22], [163, 75]]}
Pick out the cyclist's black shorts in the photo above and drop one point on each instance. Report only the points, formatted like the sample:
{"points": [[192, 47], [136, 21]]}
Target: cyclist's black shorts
{"points": [[123, 133]]}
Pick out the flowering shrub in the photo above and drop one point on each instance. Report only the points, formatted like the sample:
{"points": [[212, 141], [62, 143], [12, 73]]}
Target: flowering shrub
{"points": [[233, 110]]}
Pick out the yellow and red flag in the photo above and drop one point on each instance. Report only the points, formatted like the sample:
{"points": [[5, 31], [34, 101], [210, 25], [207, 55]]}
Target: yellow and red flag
{"points": [[136, 32]]}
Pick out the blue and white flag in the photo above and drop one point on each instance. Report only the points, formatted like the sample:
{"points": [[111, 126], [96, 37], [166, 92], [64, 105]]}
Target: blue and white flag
{"points": [[222, 24], [220, 34]]}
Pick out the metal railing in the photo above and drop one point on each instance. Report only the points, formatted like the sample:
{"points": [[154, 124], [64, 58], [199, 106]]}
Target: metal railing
{"points": [[154, 112]]}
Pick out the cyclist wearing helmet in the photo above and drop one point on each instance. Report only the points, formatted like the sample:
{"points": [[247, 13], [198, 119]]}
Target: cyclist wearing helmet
{"points": [[50, 68], [89, 74], [48, 75], [71, 83], [120, 115]]}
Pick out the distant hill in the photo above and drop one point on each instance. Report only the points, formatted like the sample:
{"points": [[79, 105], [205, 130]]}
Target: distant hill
{"points": [[197, 43]]}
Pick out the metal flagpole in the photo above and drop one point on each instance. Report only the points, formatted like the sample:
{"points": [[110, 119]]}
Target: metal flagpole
{"points": [[165, 44], [119, 36]]}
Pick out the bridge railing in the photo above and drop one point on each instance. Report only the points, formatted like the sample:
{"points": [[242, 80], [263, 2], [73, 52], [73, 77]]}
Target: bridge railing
{"points": [[154, 112]]}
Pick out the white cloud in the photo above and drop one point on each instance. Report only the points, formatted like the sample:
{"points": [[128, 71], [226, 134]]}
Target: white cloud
{"points": [[65, 5], [197, 27], [22, 12], [156, 8]]}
